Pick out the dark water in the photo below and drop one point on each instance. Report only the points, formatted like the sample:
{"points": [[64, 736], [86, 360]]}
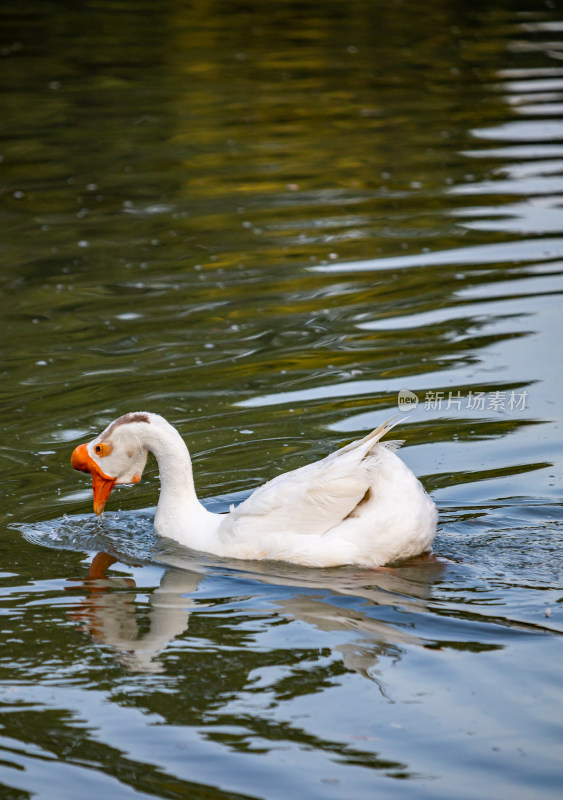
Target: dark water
{"points": [[264, 221]]}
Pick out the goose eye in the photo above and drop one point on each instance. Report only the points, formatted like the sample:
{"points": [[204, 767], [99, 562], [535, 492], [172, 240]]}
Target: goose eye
{"points": [[102, 449]]}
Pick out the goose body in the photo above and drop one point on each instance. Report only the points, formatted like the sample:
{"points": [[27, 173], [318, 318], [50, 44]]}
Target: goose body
{"points": [[359, 505]]}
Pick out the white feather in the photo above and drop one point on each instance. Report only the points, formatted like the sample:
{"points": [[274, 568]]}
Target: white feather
{"points": [[314, 498]]}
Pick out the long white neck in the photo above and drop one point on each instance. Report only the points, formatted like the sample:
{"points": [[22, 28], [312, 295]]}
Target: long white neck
{"points": [[172, 455], [179, 514]]}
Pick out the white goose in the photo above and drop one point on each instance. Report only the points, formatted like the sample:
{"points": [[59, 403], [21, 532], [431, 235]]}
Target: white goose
{"points": [[359, 505]]}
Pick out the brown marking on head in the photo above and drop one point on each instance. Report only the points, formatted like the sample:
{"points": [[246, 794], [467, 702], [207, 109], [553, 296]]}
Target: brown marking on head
{"points": [[125, 420]]}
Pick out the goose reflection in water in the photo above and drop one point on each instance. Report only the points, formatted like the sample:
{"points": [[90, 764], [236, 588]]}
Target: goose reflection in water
{"points": [[109, 613]]}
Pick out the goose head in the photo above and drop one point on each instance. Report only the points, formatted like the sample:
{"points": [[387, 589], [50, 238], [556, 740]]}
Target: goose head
{"points": [[116, 456]]}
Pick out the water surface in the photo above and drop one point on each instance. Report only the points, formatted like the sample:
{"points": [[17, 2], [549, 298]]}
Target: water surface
{"points": [[264, 222]]}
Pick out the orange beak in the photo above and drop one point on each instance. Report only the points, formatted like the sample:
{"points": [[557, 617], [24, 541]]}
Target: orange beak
{"points": [[102, 484]]}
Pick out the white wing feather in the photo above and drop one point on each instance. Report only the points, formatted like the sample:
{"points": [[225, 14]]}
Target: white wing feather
{"points": [[311, 499]]}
